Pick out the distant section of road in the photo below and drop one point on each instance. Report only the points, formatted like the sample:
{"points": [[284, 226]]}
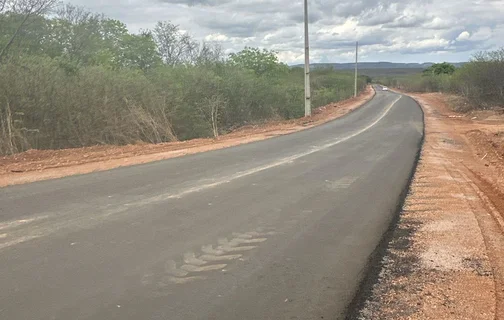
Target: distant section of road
{"points": [[277, 229]]}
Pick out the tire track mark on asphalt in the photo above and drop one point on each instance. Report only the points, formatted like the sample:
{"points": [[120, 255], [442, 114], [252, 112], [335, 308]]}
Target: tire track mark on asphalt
{"points": [[197, 266]]}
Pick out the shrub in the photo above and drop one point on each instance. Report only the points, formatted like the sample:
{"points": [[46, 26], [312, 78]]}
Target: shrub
{"points": [[480, 82], [77, 79]]}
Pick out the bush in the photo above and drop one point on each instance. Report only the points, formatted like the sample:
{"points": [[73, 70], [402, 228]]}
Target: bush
{"points": [[480, 82], [77, 79], [42, 106], [329, 86]]}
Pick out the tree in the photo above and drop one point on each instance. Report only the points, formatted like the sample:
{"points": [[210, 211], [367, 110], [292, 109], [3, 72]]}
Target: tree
{"points": [[260, 61], [174, 46], [75, 35], [112, 35], [440, 68], [212, 107], [26, 9], [208, 53], [139, 51], [3, 4], [82, 38], [29, 40], [74, 78], [482, 79]]}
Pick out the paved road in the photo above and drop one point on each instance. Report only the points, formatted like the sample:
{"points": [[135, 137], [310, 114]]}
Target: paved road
{"points": [[278, 229]]}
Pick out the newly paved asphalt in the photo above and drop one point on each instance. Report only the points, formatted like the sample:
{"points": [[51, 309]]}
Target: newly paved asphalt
{"points": [[278, 229]]}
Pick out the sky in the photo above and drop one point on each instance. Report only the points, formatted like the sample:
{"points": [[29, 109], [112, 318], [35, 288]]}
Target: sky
{"points": [[388, 30]]}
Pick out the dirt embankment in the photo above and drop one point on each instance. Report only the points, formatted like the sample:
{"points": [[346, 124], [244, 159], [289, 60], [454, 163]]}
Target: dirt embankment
{"points": [[446, 259], [35, 165]]}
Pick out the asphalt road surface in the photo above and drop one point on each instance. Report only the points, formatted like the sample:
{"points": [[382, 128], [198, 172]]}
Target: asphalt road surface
{"points": [[277, 229]]}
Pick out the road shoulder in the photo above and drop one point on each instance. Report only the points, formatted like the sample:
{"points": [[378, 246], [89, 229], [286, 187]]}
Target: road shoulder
{"points": [[445, 259], [36, 165]]}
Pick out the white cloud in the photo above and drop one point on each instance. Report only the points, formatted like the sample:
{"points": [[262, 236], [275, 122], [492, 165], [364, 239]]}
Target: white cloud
{"points": [[483, 33], [480, 35], [438, 23], [464, 35], [409, 30], [216, 37], [291, 56]]}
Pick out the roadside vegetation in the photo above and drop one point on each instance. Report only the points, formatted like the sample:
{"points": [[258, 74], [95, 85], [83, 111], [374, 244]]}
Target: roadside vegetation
{"points": [[480, 82], [72, 78]]}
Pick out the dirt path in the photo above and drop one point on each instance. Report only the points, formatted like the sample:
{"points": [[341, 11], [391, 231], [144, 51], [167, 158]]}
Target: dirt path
{"points": [[446, 259], [35, 165]]}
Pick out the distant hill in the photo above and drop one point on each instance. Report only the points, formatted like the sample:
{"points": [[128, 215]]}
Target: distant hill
{"points": [[384, 72], [376, 65]]}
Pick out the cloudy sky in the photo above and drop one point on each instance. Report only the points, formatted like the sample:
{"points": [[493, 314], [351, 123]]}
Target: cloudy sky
{"points": [[388, 30]]}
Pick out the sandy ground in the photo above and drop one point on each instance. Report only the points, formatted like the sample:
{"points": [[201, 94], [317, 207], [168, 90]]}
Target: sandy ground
{"points": [[446, 257], [35, 165]]}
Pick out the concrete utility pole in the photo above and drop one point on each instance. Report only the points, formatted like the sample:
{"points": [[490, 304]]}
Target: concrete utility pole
{"points": [[307, 63], [356, 63]]}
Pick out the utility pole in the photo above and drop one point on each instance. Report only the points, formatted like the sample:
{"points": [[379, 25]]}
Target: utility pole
{"points": [[307, 63], [356, 63]]}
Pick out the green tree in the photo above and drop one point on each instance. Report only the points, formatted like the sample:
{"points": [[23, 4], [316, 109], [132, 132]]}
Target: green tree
{"points": [[25, 11], [80, 38], [29, 40], [440, 68], [139, 52], [112, 34], [262, 62], [75, 35]]}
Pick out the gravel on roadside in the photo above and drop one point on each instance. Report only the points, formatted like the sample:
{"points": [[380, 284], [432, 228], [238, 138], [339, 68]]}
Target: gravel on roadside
{"points": [[446, 256]]}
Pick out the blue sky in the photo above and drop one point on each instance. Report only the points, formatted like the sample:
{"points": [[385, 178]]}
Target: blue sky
{"points": [[389, 30]]}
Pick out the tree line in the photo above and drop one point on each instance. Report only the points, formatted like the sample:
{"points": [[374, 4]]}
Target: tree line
{"points": [[479, 81], [73, 78]]}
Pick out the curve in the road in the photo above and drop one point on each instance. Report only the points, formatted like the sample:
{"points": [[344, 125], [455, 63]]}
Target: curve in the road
{"points": [[277, 229]]}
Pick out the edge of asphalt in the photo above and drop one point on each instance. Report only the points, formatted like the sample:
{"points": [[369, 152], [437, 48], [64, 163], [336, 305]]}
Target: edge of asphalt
{"points": [[374, 265], [307, 128]]}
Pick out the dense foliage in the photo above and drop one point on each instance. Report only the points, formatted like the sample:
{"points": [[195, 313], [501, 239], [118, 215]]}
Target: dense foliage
{"points": [[73, 78], [440, 68], [480, 81]]}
